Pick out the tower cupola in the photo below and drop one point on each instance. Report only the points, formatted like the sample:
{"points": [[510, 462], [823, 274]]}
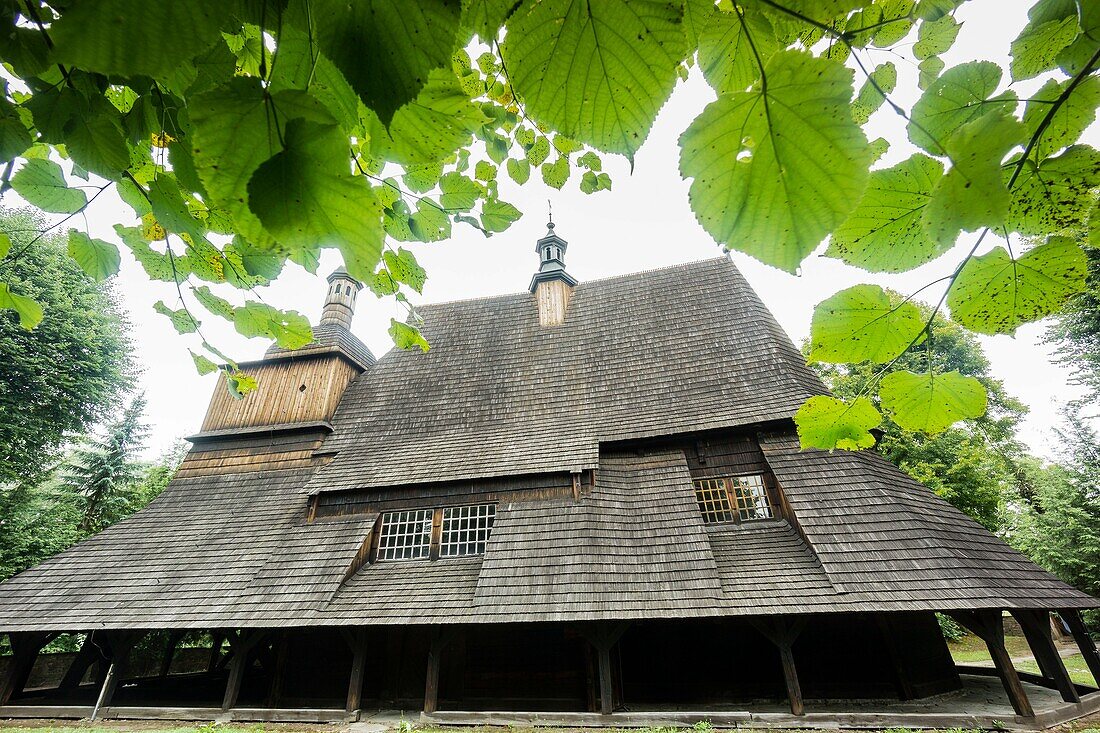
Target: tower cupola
{"points": [[551, 284], [343, 289]]}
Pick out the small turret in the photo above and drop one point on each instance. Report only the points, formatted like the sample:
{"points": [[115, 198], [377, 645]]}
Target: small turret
{"points": [[552, 285], [343, 289]]}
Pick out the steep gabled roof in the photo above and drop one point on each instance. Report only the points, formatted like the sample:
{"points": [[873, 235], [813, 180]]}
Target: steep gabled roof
{"points": [[684, 348]]}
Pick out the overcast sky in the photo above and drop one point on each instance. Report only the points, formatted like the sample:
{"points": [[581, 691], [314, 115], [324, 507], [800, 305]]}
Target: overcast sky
{"points": [[644, 222]]}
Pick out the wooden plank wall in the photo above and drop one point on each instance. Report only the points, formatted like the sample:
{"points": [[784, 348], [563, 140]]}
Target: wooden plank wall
{"points": [[253, 453], [725, 455], [288, 391]]}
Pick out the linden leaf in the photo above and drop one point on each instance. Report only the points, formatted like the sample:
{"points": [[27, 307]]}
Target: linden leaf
{"points": [[960, 95], [557, 173], [1055, 195], [936, 37], [627, 52], [995, 293], [870, 98], [406, 336], [403, 267], [181, 319], [777, 169], [203, 365], [862, 324], [1069, 120], [1037, 47], [430, 223], [5, 245], [29, 311], [42, 183], [240, 384], [458, 193], [729, 47], [99, 259], [386, 48], [931, 403], [497, 216], [520, 170], [885, 233], [828, 423], [973, 193], [289, 329], [306, 197]]}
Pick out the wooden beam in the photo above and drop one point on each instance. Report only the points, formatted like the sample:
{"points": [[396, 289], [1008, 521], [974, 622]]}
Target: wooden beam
{"points": [[783, 631], [1036, 626], [216, 641], [1072, 617], [120, 645], [988, 625], [88, 655], [357, 639], [25, 646], [603, 636], [275, 692], [902, 681], [240, 644], [431, 684], [169, 652]]}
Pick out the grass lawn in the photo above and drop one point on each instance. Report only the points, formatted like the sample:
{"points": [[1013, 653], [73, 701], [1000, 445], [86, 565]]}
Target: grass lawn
{"points": [[972, 649], [1075, 665]]}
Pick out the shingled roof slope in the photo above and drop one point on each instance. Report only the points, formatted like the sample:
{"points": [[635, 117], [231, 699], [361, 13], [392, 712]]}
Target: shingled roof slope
{"points": [[684, 348], [328, 338]]}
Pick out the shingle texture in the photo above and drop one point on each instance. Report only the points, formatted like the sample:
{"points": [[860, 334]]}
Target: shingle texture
{"points": [[669, 352], [685, 348], [326, 339]]}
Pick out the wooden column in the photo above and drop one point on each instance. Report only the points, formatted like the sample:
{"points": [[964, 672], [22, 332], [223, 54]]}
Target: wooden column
{"points": [[275, 693], [240, 646], [169, 652], [603, 637], [88, 655], [120, 644], [782, 631], [1085, 643], [25, 646], [902, 682], [357, 640], [988, 626], [1036, 626], [431, 684], [216, 641]]}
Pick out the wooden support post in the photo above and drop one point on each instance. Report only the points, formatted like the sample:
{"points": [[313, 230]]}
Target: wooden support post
{"points": [[607, 697], [782, 631], [431, 685], [357, 640], [275, 692], [169, 652], [1072, 617], [901, 674], [1036, 626], [120, 645], [25, 646], [988, 626], [241, 644], [216, 641], [603, 637], [88, 655]]}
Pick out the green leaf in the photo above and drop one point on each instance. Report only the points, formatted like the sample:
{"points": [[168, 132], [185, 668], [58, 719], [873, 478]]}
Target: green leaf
{"points": [[538, 152], [99, 259], [1037, 48], [423, 178], [5, 245], [960, 95], [306, 196], [289, 329], [828, 423], [929, 71], [386, 48], [403, 267], [203, 365], [485, 17], [730, 44], [862, 324], [135, 37], [935, 37], [775, 171], [497, 216], [240, 384], [931, 403], [591, 161], [29, 312], [485, 171], [406, 336], [1072, 118], [697, 14], [870, 98], [430, 223], [628, 51], [556, 174], [157, 265], [458, 193], [181, 319], [995, 293], [14, 135], [519, 170], [42, 183], [215, 304], [885, 233], [973, 193], [1055, 195]]}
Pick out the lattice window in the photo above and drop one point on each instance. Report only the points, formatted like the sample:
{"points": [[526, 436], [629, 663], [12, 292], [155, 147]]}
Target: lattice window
{"points": [[714, 500], [753, 501], [466, 529], [405, 535], [740, 498]]}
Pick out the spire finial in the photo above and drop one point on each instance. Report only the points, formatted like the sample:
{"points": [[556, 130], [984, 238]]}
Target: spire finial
{"points": [[550, 214]]}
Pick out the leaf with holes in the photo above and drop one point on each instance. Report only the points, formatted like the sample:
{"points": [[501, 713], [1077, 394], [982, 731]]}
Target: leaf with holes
{"points": [[458, 193], [931, 403], [406, 336], [181, 319], [995, 293], [730, 45], [1072, 118], [1038, 46], [98, 259], [628, 51], [963, 93], [497, 216], [403, 267], [42, 183], [828, 423], [870, 98], [776, 170], [1055, 195], [885, 233], [28, 310], [289, 329], [203, 365], [861, 324]]}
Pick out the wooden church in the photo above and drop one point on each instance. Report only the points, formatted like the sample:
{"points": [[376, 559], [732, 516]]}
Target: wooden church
{"points": [[585, 499]]}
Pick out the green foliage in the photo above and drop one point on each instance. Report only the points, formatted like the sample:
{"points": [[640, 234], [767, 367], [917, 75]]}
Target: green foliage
{"points": [[63, 375], [952, 630], [827, 423], [1075, 331], [259, 135], [862, 324]]}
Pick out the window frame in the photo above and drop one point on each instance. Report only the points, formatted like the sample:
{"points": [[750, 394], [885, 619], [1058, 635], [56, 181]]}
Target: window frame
{"points": [[436, 516], [731, 506]]}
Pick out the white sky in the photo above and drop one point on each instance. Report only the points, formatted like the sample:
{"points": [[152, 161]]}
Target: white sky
{"points": [[644, 222]]}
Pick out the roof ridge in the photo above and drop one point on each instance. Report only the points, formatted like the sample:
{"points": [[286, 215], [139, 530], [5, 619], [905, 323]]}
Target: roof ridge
{"points": [[582, 283]]}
